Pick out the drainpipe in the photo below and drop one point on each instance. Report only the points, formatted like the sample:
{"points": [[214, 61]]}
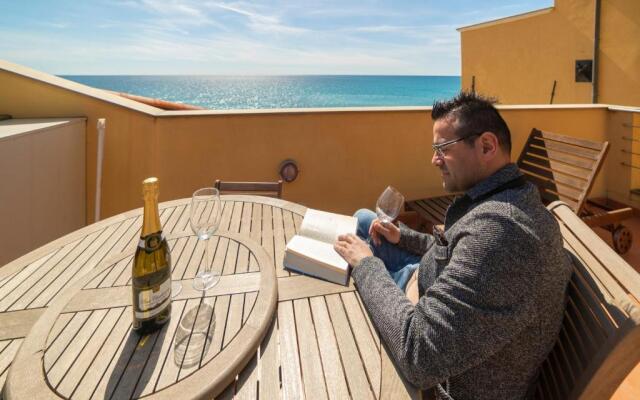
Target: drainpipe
{"points": [[596, 45], [100, 157]]}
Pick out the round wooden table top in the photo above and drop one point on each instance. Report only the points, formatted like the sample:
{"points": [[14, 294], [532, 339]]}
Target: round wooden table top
{"points": [[83, 345]]}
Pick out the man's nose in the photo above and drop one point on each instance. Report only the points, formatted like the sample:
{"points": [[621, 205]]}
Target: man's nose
{"points": [[435, 160]]}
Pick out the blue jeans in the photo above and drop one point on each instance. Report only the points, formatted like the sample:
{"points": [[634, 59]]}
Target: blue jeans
{"points": [[400, 263]]}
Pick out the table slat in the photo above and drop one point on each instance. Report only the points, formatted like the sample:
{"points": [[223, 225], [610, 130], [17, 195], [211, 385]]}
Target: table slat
{"points": [[170, 225], [374, 333], [256, 229], [86, 357], [247, 381], [198, 256], [359, 385], [22, 283], [267, 231], [9, 350], [279, 242], [269, 387], [88, 382], [13, 281], [333, 368], [165, 350], [43, 292], [59, 343], [249, 301], [310, 361], [171, 367], [122, 268], [203, 312], [236, 217], [369, 352], [180, 265], [81, 338], [231, 265], [234, 318], [289, 358]]}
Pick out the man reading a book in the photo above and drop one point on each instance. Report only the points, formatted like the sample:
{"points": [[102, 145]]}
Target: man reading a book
{"points": [[490, 287]]}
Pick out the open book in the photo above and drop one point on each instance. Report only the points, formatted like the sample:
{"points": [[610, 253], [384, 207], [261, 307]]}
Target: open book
{"points": [[311, 250]]}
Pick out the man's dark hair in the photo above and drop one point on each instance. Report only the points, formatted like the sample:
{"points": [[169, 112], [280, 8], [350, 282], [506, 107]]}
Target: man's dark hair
{"points": [[475, 114]]}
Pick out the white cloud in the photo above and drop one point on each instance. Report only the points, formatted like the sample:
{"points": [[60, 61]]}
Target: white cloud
{"points": [[260, 22]]}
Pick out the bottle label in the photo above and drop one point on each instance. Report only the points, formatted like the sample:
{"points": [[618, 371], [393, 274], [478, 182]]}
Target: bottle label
{"points": [[154, 300], [151, 242]]}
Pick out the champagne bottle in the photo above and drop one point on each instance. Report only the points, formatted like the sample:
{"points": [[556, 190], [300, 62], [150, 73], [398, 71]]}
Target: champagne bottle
{"points": [[151, 271]]}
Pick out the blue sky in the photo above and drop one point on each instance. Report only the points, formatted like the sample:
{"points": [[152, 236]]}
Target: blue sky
{"points": [[266, 37]]}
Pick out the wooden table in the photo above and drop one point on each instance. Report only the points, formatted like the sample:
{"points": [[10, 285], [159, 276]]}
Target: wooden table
{"points": [[319, 344]]}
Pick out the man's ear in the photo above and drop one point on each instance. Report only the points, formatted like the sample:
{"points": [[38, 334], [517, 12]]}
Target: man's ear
{"points": [[489, 143]]}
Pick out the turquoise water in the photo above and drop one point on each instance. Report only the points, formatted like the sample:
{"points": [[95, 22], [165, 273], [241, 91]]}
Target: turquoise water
{"points": [[259, 92]]}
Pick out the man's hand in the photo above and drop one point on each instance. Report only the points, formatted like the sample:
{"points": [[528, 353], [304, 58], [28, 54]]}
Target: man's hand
{"points": [[390, 232], [352, 248]]}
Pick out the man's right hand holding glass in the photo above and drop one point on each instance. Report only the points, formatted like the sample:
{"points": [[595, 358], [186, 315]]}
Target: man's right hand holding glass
{"points": [[379, 229]]}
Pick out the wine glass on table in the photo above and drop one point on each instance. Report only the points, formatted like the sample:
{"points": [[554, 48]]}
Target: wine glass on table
{"points": [[388, 206], [205, 219], [195, 330]]}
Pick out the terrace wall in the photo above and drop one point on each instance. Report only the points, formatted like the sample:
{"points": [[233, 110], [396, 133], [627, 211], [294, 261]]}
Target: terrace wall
{"points": [[346, 156]]}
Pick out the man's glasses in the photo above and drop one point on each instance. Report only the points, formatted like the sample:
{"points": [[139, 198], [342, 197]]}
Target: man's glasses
{"points": [[439, 149]]}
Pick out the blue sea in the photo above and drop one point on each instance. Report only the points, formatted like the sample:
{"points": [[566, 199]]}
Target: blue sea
{"points": [[298, 91]]}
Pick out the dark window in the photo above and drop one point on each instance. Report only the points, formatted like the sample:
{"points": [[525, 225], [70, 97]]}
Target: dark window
{"points": [[584, 70]]}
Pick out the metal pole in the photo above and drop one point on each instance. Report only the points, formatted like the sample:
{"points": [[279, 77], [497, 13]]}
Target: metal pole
{"points": [[596, 46], [100, 157]]}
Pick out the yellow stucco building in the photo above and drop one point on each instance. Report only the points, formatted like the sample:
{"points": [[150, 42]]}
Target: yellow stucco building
{"points": [[578, 51]]}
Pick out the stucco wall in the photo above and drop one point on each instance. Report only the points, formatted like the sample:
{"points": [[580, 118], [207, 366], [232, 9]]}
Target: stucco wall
{"points": [[517, 59], [620, 53]]}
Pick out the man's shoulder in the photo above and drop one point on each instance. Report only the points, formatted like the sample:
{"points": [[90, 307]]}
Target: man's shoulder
{"points": [[514, 212]]}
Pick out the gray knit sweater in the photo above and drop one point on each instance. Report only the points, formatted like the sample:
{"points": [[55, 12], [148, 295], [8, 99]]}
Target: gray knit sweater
{"points": [[491, 294]]}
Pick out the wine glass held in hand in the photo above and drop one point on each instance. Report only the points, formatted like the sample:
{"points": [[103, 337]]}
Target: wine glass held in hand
{"points": [[205, 219], [389, 205]]}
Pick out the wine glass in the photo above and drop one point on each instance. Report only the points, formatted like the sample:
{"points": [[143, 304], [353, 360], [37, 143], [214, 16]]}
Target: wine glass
{"points": [[205, 218], [388, 207]]}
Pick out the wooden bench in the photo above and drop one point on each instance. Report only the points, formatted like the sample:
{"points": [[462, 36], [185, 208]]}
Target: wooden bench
{"points": [[563, 168], [599, 342]]}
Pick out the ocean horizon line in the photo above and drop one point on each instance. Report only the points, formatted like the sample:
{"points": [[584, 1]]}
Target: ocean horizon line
{"points": [[220, 92]]}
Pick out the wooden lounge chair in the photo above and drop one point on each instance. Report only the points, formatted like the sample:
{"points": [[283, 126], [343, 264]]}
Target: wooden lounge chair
{"points": [[563, 168], [598, 345], [269, 189]]}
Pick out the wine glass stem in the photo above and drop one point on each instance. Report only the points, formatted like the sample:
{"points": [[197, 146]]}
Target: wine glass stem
{"points": [[207, 265]]}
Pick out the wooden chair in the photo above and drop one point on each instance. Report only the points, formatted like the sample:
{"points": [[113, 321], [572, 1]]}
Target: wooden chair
{"points": [[270, 189], [599, 341], [563, 168]]}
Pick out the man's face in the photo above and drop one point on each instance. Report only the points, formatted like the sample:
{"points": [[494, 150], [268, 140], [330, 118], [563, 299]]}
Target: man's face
{"points": [[459, 164]]}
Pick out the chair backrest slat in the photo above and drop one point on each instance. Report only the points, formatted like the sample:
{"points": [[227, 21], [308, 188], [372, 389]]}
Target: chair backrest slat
{"points": [[270, 189], [542, 151], [595, 349], [552, 186], [563, 167], [570, 140], [551, 169]]}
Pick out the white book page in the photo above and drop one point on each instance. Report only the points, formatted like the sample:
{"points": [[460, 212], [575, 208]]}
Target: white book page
{"points": [[318, 251], [325, 226]]}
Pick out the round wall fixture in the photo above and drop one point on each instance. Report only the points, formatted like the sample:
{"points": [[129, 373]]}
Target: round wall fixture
{"points": [[288, 170]]}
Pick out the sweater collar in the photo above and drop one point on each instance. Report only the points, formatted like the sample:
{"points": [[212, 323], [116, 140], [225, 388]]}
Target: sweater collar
{"points": [[500, 177]]}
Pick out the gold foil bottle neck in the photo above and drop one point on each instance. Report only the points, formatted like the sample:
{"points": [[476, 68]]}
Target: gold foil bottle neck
{"points": [[150, 186], [151, 219]]}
